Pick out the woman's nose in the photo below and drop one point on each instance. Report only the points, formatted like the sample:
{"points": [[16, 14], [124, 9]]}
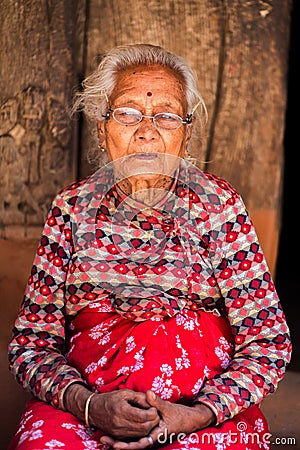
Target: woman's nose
{"points": [[147, 130]]}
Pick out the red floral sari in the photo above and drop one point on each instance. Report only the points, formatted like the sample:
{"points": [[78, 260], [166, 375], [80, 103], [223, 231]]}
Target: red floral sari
{"points": [[173, 356]]}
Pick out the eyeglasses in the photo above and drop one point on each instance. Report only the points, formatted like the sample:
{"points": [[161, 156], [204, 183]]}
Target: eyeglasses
{"points": [[131, 116]]}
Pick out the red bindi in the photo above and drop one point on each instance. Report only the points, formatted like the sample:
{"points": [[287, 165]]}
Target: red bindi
{"points": [[149, 94]]}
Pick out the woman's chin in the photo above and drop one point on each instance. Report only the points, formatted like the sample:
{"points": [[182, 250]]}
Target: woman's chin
{"points": [[146, 166]]}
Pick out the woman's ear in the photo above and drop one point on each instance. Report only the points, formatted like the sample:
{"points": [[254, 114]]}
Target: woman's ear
{"points": [[101, 131], [188, 134]]}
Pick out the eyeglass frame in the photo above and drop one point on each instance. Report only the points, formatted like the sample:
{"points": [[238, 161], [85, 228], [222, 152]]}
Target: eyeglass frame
{"points": [[187, 121]]}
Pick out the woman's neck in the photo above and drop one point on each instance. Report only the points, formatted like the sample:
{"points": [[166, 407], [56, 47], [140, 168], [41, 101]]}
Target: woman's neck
{"points": [[145, 190]]}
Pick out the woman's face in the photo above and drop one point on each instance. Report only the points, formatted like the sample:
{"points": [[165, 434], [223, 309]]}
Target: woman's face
{"points": [[151, 90]]}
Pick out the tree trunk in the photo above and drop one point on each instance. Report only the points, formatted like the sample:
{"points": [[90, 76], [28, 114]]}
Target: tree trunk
{"points": [[37, 78], [239, 51]]}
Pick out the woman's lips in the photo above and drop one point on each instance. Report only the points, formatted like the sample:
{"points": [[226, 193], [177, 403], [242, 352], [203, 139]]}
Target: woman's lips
{"points": [[145, 156]]}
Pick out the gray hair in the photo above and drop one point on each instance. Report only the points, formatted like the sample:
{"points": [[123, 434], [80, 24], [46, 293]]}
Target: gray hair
{"points": [[97, 87]]}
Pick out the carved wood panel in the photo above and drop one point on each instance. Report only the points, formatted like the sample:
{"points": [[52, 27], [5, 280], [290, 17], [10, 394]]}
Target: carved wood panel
{"points": [[37, 146]]}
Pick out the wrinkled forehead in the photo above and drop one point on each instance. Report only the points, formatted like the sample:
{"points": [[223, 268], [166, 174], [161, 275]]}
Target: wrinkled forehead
{"points": [[150, 80]]}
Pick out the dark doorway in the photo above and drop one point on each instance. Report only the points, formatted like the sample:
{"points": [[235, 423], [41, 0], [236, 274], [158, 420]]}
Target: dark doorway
{"points": [[287, 275]]}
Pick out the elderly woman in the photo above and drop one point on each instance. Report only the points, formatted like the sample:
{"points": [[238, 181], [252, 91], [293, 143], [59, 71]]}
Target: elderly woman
{"points": [[150, 316]]}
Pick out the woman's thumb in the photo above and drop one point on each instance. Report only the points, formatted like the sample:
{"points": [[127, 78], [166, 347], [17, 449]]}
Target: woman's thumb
{"points": [[151, 398]]}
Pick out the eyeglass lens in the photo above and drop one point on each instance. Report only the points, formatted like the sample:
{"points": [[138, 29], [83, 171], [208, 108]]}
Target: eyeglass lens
{"points": [[131, 116]]}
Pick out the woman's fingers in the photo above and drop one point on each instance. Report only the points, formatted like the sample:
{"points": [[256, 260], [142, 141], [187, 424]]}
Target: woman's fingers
{"points": [[155, 401], [144, 442], [158, 434], [175, 420], [107, 440], [137, 399], [123, 414], [137, 410]]}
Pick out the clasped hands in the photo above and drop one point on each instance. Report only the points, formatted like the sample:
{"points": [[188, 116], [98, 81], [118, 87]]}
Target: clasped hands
{"points": [[134, 420]]}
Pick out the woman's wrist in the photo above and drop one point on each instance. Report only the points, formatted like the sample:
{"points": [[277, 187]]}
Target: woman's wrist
{"points": [[75, 399], [207, 415]]}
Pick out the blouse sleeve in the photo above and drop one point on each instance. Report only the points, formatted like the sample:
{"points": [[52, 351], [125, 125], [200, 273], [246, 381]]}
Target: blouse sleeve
{"points": [[261, 335], [36, 350]]}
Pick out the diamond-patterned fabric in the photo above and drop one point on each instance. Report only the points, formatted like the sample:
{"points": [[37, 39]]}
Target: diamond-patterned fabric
{"points": [[195, 249]]}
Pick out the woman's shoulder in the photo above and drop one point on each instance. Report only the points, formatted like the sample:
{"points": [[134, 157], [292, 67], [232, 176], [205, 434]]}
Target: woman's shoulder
{"points": [[220, 184], [83, 196], [212, 187], [74, 195], [73, 189]]}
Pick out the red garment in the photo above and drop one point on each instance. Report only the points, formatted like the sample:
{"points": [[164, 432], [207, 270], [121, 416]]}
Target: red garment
{"points": [[176, 265], [172, 356], [201, 248]]}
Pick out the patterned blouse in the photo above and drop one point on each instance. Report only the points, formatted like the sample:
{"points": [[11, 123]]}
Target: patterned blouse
{"points": [[197, 249]]}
